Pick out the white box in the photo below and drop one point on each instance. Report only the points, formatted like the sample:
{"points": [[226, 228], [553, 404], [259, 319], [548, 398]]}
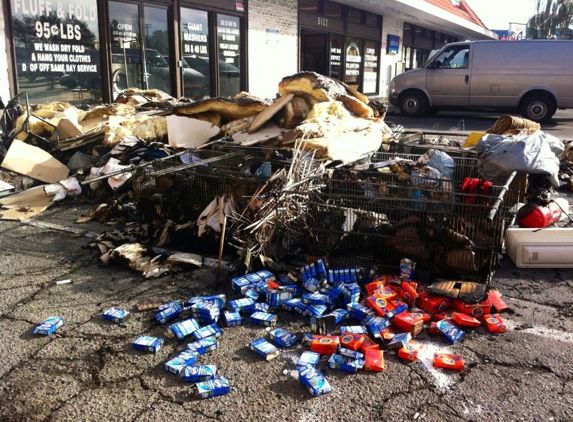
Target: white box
{"points": [[540, 248]]}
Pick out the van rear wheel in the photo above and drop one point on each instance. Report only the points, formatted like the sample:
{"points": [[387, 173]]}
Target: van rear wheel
{"points": [[413, 104], [538, 107]]}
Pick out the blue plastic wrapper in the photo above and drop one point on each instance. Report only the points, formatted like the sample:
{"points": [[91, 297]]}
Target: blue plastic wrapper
{"points": [[220, 300], [169, 313], [344, 363], [48, 326], [212, 388], [212, 330], [450, 332], [314, 381], [242, 305], [233, 318], [263, 318], [183, 328], [264, 349], [354, 354], [282, 337], [147, 343], [356, 329], [203, 346], [199, 373], [178, 363], [308, 358], [116, 315], [399, 341]]}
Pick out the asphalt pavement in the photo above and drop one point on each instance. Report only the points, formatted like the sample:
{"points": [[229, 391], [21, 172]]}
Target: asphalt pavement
{"points": [[88, 371]]}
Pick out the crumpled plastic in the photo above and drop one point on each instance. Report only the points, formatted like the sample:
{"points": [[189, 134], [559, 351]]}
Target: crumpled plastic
{"points": [[63, 188], [440, 161], [112, 166], [499, 155]]}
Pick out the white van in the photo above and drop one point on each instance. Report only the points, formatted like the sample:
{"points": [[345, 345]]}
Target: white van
{"points": [[532, 76]]}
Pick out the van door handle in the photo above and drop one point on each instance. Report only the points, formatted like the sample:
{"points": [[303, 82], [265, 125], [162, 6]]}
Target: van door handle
{"points": [[467, 79]]}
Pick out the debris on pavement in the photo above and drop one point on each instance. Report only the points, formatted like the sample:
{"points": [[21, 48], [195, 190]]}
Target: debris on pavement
{"points": [[25, 204]]}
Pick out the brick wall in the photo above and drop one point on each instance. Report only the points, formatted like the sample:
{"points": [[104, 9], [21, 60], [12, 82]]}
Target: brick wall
{"points": [[273, 44]]}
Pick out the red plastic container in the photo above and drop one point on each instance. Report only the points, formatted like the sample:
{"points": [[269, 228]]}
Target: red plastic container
{"points": [[538, 216]]}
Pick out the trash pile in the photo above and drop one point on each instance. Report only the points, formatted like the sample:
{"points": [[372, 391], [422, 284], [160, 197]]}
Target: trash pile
{"points": [[355, 319], [313, 173]]}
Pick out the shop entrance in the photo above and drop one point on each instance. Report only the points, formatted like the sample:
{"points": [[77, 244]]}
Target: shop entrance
{"points": [[139, 47]]}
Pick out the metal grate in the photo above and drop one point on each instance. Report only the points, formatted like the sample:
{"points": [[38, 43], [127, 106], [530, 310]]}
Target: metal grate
{"points": [[379, 217], [172, 190]]}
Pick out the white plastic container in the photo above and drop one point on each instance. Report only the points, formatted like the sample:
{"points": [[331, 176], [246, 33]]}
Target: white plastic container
{"points": [[540, 248]]}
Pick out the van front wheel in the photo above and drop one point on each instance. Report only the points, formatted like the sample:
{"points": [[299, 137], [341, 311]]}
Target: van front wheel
{"points": [[413, 104], [538, 107]]}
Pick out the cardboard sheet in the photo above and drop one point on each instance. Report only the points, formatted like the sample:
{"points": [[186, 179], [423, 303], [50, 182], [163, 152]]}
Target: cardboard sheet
{"points": [[25, 205], [34, 162], [265, 115], [187, 132], [268, 132]]}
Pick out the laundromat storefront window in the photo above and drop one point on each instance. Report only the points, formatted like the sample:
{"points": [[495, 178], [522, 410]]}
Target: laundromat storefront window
{"points": [[218, 65], [57, 50]]}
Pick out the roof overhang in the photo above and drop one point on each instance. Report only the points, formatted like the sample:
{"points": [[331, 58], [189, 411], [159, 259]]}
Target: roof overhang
{"points": [[426, 15]]}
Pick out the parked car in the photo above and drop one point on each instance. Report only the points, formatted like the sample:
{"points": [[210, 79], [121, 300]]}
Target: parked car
{"points": [[202, 65], [532, 76]]}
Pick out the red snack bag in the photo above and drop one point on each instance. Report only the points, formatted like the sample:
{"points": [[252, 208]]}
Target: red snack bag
{"points": [[497, 302], [474, 309], [408, 293], [326, 345], [368, 344], [465, 320], [272, 285], [433, 330], [408, 322], [426, 317], [374, 360], [433, 304], [374, 287], [442, 315], [351, 341], [410, 350], [387, 334], [494, 323], [449, 361]]}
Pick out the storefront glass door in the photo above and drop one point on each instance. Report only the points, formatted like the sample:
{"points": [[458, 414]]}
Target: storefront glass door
{"points": [[140, 47]]}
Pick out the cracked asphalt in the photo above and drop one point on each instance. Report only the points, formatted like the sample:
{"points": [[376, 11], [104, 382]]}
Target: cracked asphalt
{"points": [[88, 371]]}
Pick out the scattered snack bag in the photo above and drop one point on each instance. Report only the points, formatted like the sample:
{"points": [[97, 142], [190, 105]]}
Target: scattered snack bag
{"points": [[374, 360], [449, 361], [48, 326], [494, 323], [497, 303], [410, 350], [464, 320]]}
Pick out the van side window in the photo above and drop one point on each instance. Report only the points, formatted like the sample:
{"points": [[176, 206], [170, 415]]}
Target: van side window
{"points": [[453, 58]]}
